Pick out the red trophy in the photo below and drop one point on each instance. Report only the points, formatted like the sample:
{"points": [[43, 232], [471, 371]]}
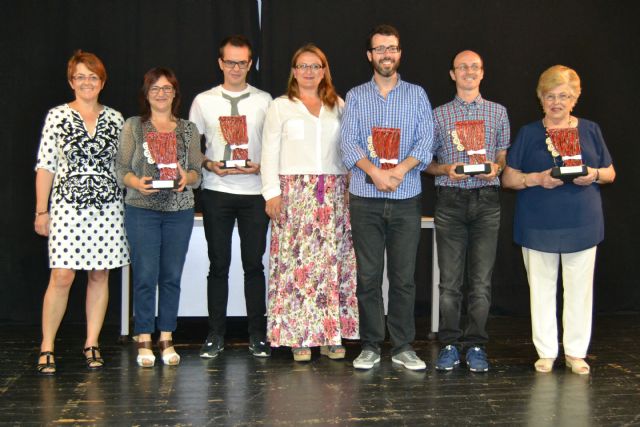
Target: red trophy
{"points": [[234, 132], [469, 136], [385, 144], [160, 148], [564, 144]]}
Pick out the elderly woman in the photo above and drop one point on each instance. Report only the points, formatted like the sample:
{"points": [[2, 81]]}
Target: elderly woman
{"points": [[312, 277], [559, 221], [78, 204], [156, 146]]}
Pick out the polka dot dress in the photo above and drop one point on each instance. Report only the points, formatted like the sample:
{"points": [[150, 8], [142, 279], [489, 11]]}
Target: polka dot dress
{"points": [[86, 211]]}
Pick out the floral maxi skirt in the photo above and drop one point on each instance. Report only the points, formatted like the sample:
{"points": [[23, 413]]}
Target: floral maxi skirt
{"points": [[312, 266]]}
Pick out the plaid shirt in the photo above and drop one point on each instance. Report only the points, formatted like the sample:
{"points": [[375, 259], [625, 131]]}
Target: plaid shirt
{"points": [[497, 135], [406, 107]]}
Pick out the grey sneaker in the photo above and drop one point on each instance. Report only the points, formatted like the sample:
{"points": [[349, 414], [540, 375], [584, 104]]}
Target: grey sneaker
{"points": [[212, 347], [259, 347], [409, 360], [366, 360]]}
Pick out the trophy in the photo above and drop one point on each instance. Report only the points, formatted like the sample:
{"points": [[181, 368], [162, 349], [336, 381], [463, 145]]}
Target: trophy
{"points": [[469, 136], [384, 143], [565, 144], [160, 148], [234, 132]]}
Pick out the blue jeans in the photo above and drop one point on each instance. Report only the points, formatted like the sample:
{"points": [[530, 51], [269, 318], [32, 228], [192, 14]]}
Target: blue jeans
{"points": [[394, 225], [220, 212], [159, 242], [467, 223]]}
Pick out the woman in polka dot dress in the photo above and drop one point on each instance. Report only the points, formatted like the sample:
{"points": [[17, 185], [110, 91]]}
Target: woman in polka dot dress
{"points": [[79, 205]]}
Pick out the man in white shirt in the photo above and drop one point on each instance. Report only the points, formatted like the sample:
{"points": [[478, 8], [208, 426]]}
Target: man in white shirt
{"points": [[233, 194]]}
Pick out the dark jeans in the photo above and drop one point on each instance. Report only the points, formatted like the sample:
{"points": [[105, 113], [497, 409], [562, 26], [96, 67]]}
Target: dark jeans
{"points": [[467, 223], [394, 225], [159, 242], [220, 212]]}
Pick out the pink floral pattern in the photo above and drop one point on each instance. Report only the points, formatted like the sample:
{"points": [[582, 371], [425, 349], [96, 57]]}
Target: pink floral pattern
{"points": [[312, 269]]}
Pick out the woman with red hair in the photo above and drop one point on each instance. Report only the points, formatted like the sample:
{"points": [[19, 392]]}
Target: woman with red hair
{"points": [[312, 277], [79, 205]]}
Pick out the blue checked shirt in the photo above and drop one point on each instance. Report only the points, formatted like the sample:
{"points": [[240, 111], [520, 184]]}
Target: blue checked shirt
{"points": [[497, 135], [406, 107]]}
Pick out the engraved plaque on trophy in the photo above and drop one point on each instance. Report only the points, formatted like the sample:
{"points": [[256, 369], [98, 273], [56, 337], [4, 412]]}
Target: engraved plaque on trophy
{"points": [[384, 143], [564, 146], [160, 148], [234, 132], [469, 136]]}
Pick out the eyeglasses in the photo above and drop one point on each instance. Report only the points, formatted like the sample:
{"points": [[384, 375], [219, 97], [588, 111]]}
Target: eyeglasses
{"points": [[154, 90], [472, 67], [81, 78], [230, 65], [562, 97], [383, 49], [304, 67]]}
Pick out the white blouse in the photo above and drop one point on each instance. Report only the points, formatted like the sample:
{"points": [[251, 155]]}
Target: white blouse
{"points": [[295, 142]]}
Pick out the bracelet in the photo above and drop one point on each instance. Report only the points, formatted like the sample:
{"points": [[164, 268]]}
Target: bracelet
{"points": [[524, 180], [42, 213], [597, 175]]}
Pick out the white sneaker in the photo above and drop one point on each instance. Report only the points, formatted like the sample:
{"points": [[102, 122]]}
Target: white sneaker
{"points": [[366, 360], [409, 360]]}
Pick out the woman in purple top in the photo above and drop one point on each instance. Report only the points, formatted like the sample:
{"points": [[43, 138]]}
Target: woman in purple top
{"points": [[559, 220]]}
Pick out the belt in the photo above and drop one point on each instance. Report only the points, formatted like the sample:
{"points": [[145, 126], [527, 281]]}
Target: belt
{"points": [[445, 189]]}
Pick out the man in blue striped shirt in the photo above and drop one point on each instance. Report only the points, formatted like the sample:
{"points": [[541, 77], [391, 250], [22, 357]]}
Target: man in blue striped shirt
{"points": [[385, 212], [469, 129]]}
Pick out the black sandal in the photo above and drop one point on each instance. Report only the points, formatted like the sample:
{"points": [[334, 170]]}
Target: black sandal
{"points": [[93, 361], [49, 367]]}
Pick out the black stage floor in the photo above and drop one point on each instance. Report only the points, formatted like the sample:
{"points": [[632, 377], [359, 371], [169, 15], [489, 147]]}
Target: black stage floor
{"points": [[239, 390]]}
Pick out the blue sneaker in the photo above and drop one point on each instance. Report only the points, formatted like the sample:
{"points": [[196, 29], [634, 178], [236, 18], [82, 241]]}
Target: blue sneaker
{"points": [[477, 360], [448, 358]]}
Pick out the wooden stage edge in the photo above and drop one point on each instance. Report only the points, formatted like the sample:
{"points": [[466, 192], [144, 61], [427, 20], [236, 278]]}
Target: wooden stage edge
{"points": [[239, 390]]}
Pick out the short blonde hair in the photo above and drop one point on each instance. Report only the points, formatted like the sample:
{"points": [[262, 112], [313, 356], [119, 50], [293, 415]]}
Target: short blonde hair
{"points": [[556, 76]]}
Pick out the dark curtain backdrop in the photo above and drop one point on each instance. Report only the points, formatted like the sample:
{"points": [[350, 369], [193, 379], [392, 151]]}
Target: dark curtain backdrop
{"points": [[130, 37], [517, 40]]}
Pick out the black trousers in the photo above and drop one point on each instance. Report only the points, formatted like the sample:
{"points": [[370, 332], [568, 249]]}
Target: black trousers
{"points": [[467, 225], [220, 212]]}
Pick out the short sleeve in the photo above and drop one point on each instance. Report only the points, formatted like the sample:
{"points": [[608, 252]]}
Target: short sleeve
{"points": [[48, 150], [516, 153], [604, 157]]}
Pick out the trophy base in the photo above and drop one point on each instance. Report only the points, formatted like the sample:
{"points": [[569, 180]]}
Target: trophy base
{"points": [[568, 173], [230, 164], [163, 184], [471, 170]]}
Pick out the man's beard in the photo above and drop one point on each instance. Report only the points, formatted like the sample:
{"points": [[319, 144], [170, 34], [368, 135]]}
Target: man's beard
{"points": [[385, 72]]}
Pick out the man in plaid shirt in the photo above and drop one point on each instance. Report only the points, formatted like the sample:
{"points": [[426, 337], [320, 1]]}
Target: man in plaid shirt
{"points": [[468, 130], [385, 212]]}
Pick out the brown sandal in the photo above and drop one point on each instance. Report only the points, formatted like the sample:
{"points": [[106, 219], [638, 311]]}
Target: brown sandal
{"points": [[170, 359], [93, 361], [145, 360], [49, 366]]}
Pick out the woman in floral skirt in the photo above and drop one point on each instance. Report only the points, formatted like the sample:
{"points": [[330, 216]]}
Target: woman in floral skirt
{"points": [[312, 274]]}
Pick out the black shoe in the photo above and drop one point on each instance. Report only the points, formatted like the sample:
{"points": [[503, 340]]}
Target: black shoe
{"points": [[212, 347], [258, 347]]}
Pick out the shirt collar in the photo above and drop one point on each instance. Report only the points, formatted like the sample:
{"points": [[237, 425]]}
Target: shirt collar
{"points": [[374, 86], [478, 100]]}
